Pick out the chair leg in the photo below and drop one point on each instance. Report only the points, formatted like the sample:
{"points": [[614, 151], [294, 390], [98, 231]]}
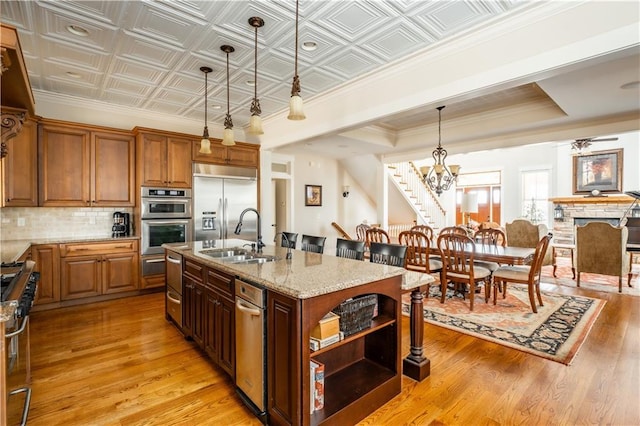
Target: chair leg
{"points": [[443, 287], [472, 294], [532, 300], [487, 290], [538, 292], [495, 289], [578, 280], [620, 284]]}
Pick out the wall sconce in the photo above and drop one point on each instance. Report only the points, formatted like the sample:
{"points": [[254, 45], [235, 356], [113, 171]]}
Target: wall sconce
{"points": [[345, 191], [635, 212], [558, 213]]}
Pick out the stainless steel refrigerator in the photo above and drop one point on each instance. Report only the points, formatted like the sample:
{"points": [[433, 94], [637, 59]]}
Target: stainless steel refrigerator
{"points": [[220, 194]]}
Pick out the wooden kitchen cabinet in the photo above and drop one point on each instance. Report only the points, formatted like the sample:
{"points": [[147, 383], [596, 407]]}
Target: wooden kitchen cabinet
{"points": [[94, 269], [241, 154], [20, 168], [85, 166], [164, 160], [47, 258]]}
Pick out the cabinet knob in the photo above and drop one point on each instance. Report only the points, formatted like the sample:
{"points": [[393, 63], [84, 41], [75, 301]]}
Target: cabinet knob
{"points": [[8, 200]]}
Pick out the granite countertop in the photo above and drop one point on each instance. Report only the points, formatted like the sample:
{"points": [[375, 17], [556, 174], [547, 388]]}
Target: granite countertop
{"points": [[304, 276], [11, 250]]}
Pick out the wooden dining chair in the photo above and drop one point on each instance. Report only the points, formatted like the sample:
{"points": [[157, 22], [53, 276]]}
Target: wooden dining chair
{"points": [[458, 267], [418, 248], [387, 254], [290, 237], [313, 244], [459, 230], [361, 232], [523, 274], [490, 237], [350, 249], [377, 235], [425, 229]]}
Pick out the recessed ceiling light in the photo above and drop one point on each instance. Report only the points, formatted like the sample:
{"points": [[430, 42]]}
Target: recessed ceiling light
{"points": [[216, 107], [250, 83], [77, 30], [631, 85], [73, 74], [309, 45]]}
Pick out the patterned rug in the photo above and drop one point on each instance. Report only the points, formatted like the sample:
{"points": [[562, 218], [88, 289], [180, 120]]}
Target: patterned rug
{"points": [[598, 282], [556, 332]]}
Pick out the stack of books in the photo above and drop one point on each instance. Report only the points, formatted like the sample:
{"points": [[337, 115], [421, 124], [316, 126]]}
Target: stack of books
{"points": [[326, 333], [317, 385]]}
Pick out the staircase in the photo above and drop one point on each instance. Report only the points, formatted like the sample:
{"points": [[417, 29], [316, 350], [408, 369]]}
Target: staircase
{"points": [[408, 179]]}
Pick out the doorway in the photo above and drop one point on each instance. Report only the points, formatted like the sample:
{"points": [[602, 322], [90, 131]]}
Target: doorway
{"points": [[282, 201]]}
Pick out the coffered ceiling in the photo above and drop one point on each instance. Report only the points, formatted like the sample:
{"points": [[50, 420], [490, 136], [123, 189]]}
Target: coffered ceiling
{"points": [[145, 56]]}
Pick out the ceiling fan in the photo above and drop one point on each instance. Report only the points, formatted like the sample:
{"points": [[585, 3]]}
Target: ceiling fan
{"points": [[581, 146]]}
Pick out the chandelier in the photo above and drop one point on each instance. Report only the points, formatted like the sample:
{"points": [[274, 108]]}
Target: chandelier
{"points": [[439, 177]]}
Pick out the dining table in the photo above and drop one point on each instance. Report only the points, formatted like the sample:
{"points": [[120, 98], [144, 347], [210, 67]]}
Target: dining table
{"points": [[508, 255]]}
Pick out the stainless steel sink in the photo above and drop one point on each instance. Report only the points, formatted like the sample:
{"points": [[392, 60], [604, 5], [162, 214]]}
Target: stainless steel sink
{"points": [[226, 252], [260, 259], [237, 255]]}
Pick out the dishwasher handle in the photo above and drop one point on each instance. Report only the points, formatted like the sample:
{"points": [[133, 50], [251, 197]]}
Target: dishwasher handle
{"points": [[247, 309]]}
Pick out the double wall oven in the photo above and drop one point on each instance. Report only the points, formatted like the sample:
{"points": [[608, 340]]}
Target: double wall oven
{"points": [[166, 217]]}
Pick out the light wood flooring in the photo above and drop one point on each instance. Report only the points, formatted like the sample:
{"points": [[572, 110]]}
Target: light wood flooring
{"points": [[122, 363]]}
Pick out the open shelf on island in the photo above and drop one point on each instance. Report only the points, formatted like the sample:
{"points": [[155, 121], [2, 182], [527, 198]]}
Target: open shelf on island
{"points": [[377, 323], [362, 377]]}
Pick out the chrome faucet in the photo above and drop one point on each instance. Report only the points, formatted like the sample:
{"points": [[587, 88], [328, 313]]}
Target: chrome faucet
{"points": [[259, 243]]}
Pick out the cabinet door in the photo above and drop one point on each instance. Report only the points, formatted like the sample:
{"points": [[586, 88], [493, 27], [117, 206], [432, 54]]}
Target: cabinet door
{"points": [[218, 153], [21, 168], [242, 156], [153, 161], [211, 325], [119, 273], [113, 172], [179, 170], [199, 325], [47, 258], [188, 289], [64, 166], [80, 277], [225, 334]]}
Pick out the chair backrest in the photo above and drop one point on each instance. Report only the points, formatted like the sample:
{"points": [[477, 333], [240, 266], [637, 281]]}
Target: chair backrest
{"points": [[601, 249], [313, 244], [376, 235], [350, 249], [456, 251], [490, 236], [387, 254], [538, 257], [522, 233], [425, 229], [459, 230], [418, 245], [291, 237], [361, 232]]}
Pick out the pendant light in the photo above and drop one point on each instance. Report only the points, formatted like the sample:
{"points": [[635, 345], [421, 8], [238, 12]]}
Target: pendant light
{"points": [[295, 103], [227, 138], [205, 143], [255, 123], [440, 177]]}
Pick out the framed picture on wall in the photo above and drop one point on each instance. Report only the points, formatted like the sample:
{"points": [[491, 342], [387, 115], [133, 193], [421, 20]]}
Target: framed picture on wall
{"points": [[598, 172], [312, 195]]}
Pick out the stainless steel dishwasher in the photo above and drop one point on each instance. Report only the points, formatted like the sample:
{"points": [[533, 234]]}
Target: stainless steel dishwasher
{"points": [[251, 346]]}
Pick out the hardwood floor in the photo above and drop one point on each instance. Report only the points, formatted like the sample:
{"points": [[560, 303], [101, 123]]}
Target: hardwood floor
{"points": [[121, 362]]}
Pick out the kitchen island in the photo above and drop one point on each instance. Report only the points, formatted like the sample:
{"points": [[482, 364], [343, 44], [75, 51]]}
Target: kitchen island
{"points": [[362, 371]]}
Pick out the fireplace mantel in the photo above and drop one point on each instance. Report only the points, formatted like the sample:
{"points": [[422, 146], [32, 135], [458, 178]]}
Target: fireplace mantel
{"points": [[611, 199]]}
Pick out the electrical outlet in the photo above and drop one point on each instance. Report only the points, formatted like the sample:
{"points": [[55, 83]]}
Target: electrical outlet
{"points": [[21, 221]]}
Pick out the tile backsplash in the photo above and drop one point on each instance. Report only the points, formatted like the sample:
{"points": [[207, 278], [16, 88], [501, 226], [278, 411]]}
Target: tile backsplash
{"points": [[33, 223]]}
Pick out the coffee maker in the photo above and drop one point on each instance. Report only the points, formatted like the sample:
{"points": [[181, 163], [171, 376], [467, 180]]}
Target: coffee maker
{"points": [[121, 225]]}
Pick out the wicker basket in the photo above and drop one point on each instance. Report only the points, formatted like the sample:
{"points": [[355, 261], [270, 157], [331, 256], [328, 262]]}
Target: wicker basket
{"points": [[356, 314]]}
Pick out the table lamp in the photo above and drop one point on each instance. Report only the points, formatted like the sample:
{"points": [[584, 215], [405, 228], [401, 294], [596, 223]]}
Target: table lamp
{"points": [[469, 205]]}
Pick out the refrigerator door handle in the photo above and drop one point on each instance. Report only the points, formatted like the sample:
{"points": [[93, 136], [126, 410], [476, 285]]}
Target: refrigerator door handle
{"points": [[226, 218], [221, 216]]}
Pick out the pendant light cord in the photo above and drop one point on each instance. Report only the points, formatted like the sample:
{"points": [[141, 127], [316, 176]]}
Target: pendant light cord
{"points": [[227, 83], [296, 55], [255, 70]]}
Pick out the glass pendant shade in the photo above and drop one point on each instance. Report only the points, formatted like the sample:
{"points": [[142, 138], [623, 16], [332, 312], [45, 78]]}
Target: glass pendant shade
{"points": [[295, 108], [205, 146], [255, 125], [227, 137]]}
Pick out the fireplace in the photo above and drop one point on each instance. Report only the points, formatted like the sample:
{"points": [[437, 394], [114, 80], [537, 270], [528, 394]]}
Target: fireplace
{"points": [[579, 221]]}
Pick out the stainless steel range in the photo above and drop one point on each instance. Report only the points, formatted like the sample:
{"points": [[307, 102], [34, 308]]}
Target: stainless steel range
{"points": [[18, 289]]}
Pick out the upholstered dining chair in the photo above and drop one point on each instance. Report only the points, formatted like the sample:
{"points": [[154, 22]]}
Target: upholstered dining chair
{"points": [[387, 254], [377, 235], [290, 237], [601, 249], [418, 247], [313, 244], [523, 274], [523, 233], [458, 266], [350, 249], [361, 232]]}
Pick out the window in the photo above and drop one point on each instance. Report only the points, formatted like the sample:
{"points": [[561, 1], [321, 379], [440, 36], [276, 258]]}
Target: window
{"points": [[535, 195], [487, 186]]}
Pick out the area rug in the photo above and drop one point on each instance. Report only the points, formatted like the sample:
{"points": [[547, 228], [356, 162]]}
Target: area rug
{"points": [[598, 282], [556, 332]]}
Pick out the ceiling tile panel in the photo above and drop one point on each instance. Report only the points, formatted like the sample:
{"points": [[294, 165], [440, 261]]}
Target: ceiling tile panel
{"points": [[105, 12], [137, 71], [119, 98], [132, 87], [351, 62], [163, 107], [151, 53], [449, 17], [74, 56]]}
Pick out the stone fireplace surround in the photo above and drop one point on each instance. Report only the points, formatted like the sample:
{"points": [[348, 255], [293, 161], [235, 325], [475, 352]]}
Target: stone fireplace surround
{"points": [[610, 209]]}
